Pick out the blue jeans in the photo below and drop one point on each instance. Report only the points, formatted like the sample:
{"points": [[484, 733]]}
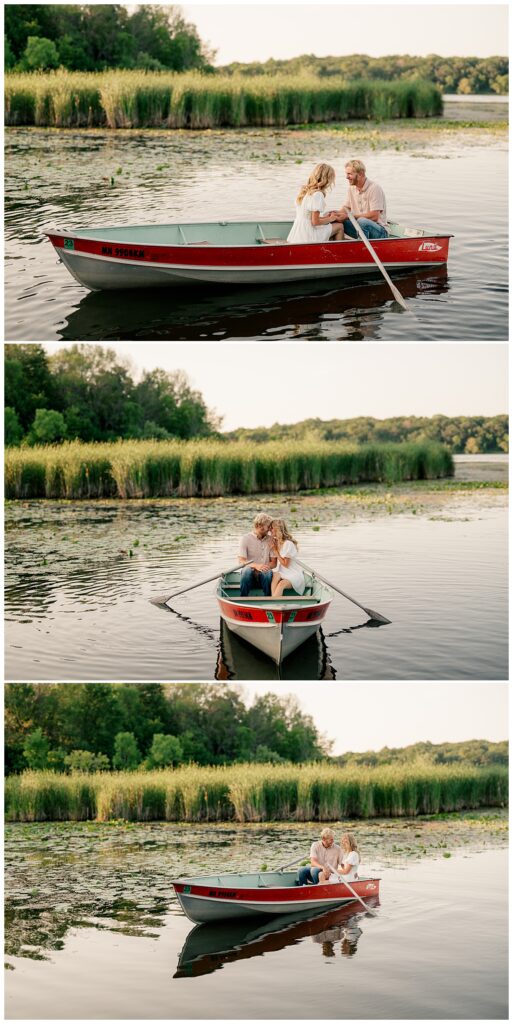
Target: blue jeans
{"points": [[250, 578], [369, 228], [308, 874]]}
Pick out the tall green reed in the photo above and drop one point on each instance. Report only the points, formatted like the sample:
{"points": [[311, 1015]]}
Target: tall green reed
{"points": [[255, 793], [145, 99], [208, 468]]}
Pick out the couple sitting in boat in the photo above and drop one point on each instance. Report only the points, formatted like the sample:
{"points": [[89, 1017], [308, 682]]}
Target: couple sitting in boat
{"points": [[330, 862], [273, 554], [365, 200]]}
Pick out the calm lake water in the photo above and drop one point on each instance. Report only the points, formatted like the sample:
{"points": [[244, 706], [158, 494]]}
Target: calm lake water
{"points": [[80, 576], [431, 181], [93, 931]]}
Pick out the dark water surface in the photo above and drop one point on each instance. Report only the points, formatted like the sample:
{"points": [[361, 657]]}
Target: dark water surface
{"points": [[93, 932], [431, 179], [80, 575]]}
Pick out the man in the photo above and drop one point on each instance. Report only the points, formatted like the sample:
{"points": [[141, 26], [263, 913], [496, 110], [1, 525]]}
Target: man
{"points": [[366, 201], [323, 853], [257, 547]]}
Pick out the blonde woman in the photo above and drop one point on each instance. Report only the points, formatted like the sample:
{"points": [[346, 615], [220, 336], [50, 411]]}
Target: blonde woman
{"points": [[347, 870], [313, 222], [288, 572]]}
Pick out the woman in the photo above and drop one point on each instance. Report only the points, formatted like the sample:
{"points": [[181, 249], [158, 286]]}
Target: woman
{"points": [[287, 573], [313, 223], [347, 871]]}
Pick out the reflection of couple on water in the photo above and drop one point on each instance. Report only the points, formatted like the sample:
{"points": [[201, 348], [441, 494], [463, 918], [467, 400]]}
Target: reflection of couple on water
{"points": [[365, 201], [272, 554]]}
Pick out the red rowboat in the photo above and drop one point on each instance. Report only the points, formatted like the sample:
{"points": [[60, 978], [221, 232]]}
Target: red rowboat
{"points": [[233, 252], [218, 897], [214, 897], [276, 626]]}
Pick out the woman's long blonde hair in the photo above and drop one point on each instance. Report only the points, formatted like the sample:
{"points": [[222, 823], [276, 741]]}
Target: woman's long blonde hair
{"points": [[321, 179], [283, 532], [351, 839]]}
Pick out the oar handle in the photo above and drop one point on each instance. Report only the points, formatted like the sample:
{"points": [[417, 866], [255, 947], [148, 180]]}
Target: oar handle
{"points": [[292, 864], [209, 580]]}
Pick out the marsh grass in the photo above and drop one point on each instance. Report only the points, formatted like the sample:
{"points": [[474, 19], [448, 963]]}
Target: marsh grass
{"points": [[255, 793], [140, 99], [146, 469]]}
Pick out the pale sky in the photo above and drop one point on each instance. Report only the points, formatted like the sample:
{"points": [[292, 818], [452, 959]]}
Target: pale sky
{"points": [[246, 32], [397, 714], [331, 380]]}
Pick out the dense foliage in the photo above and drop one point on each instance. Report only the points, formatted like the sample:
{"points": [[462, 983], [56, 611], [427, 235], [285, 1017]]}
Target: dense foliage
{"points": [[474, 753], [253, 792], [212, 469], [91, 37], [69, 727], [87, 392], [461, 75], [155, 99], [471, 434]]}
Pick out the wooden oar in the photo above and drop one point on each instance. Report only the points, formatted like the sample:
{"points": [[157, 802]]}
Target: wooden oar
{"points": [[355, 894], [395, 291], [210, 579], [376, 616], [292, 863]]}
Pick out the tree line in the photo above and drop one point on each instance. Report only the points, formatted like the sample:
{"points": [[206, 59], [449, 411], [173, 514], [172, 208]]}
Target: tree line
{"points": [[98, 726], [156, 37], [470, 434], [461, 75], [69, 727], [88, 393], [472, 753], [93, 37]]}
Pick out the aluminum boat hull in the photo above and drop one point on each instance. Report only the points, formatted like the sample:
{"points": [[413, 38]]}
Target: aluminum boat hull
{"points": [[275, 627], [270, 893], [229, 253]]}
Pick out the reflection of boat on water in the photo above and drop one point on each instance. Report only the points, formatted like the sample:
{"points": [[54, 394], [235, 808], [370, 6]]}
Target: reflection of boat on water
{"points": [[209, 947], [236, 659], [277, 626], [230, 252], [216, 314], [231, 895]]}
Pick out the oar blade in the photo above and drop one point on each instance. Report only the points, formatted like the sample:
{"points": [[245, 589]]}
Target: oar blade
{"points": [[159, 599], [377, 617]]}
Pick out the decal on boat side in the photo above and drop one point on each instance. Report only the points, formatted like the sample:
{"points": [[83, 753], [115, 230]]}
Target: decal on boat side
{"points": [[429, 247], [69, 243], [223, 893], [239, 614], [370, 885], [116, 250]]}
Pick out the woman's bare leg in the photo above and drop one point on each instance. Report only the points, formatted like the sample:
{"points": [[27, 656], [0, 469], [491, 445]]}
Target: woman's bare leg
{"points": [[276, 580], [337, 231], [281, 587]]}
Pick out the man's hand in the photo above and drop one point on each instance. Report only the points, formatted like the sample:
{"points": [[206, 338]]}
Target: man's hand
{"points": [[262, 566]]}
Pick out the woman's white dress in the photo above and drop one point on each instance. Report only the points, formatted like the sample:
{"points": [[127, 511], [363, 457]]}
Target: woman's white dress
{"points": [[302, 228], [291, 572], [352, 858]]}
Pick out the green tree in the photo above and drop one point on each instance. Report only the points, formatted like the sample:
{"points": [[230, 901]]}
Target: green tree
{"points": [[48, 427], [13, 431], [165, 751], [126, 752], [40, 54], [87, 761], [35, 750], [29, 384]]}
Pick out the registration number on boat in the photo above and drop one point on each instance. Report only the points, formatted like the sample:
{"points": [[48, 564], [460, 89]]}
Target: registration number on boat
{"points": [[116, 250]]}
